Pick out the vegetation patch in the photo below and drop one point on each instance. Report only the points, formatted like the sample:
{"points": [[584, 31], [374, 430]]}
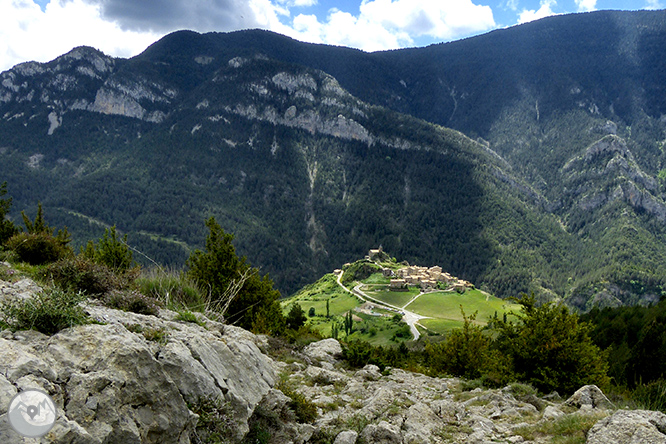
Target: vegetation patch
{"points": [[568, 429], [130, 300], [47, 312], [215, 424]]}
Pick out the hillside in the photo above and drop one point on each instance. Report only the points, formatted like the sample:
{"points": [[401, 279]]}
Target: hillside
{"points": [[391, 302], [312, 154]]}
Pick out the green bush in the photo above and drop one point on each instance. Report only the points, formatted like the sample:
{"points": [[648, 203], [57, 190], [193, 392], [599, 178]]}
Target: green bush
{"points": [[237, 291], [296, 317], [47, 312], [111, 251], [464, 353], [38, 248], [81, 274], [304, 409], [7, 227], [305, 335], [549, 348]]}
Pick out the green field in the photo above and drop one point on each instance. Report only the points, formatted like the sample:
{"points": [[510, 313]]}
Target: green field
{"points": [[395, 298], [445, 306]]}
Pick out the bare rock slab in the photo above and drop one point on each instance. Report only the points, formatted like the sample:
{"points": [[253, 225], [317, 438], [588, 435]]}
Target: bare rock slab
{"points": [[630, 427]]}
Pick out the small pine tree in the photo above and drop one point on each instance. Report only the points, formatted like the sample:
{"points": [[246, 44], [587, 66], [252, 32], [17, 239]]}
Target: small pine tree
{"points": [[349, 323], [335, 330], [245, 298], [110, 251], [296, 317]]}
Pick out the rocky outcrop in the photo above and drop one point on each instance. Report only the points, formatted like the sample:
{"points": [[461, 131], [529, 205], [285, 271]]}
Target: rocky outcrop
{"points": [[606, 172], [131, 378], [112, 383], [630, 426]]}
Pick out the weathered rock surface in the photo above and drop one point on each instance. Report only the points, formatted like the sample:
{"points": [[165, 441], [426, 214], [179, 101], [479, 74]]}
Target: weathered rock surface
{"points": [[113, 385], [631, 427], [589, 396]]}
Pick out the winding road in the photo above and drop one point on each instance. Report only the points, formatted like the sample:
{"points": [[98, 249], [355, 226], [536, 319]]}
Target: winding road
{"points": [[410, 318]]}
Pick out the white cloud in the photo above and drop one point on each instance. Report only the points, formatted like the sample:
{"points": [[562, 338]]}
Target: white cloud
{"points": [[28, 33], [586, 5], [653, 4], [511, 5], [390, 24], [545, 10], [124, 28]]}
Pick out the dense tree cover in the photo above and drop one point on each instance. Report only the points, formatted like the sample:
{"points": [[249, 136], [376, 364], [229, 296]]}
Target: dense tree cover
{"points": [[248, 299], [7, 227], [635, 340]]}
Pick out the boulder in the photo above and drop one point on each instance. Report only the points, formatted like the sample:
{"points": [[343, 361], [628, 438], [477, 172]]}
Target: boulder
{"points": [[630, 426], [589, 396], [382, 433], [368, 373], [420, 423], [551, 412], [325, 350], [346, 437]]}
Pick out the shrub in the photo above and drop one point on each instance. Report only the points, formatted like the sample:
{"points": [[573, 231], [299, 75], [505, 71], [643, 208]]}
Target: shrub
{"points": [[129, 300], [111, 251], [7, 227], [39, 245], [305, 335], [296, 317], [81, 274], [47, 312], [237, 291], [463, 353], [550, 349], [38, 248], [215, 424], [304, 409]]}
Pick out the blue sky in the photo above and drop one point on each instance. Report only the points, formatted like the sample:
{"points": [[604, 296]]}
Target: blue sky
{"points": [[41, 30]]}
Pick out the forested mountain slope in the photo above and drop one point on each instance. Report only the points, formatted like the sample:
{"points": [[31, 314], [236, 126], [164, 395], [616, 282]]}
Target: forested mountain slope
{"points": [[294, 148]]}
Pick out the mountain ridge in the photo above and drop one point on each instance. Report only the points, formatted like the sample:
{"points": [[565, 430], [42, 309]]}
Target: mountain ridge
{"points": [[311, 155]]}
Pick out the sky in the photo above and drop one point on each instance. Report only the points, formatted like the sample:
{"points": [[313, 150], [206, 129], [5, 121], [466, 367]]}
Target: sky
{"points": [[41, 30]]}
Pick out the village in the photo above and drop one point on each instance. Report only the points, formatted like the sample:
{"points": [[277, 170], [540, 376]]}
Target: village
{"points": [[428, 279]]}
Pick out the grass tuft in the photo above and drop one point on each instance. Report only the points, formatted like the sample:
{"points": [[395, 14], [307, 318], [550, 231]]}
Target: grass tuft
{"points": [[47, 312]]}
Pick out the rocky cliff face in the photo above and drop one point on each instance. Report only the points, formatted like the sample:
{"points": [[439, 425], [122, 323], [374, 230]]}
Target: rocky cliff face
{"points": [[119, 381]]}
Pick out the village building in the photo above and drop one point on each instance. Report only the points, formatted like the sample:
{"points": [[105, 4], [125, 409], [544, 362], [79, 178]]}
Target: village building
{"points": [[398, 284]]}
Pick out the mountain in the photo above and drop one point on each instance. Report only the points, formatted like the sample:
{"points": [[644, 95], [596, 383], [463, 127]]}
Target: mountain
{"points": [[550, 180]]}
